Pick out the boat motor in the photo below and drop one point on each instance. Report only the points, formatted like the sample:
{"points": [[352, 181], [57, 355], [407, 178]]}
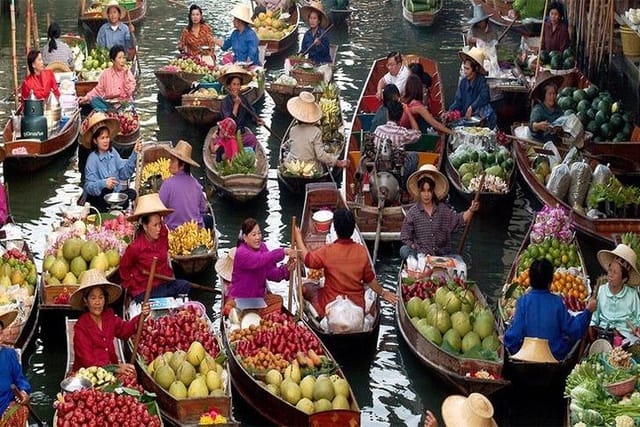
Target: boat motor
{"points": [[385, 185], [33, 124]]}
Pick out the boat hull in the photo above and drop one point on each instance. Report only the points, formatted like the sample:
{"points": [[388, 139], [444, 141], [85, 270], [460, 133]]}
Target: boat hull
{"points": [[420, 19], [174, 84]]}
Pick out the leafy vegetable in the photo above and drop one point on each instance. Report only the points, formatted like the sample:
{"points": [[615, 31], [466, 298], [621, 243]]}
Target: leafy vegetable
{"points": [[529, 8]]}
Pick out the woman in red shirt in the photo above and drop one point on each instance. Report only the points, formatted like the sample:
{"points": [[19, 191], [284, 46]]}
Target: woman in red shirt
{"points": [[41, 81]]}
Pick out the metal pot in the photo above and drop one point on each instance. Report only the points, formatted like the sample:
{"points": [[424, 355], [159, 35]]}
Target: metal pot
{"points": [[388, 186]]}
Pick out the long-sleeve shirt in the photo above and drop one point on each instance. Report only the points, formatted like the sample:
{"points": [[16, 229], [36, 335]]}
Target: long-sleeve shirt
{"points": [[306, 145], [318, 54], [101, 166], [41, 84], [4, 206], [92, 345], [182, 193], [398, 135], [252, 268], [11, 373], [614, 310], [108, 37], [430, 233], [557, 39], [114, 84], [474, 93], [244, 118], [540, 113], [244, 45], [62, 53], [541, 314]]}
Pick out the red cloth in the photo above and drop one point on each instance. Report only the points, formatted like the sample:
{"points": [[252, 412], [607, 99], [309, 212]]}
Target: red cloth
{"points": [[93, 346], [227, 138], [41, 84], [346, 270], [138, 257], [4, 208]]}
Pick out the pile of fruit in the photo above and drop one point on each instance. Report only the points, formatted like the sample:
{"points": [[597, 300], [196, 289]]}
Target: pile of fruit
{"points": [[189, 239], [557, 60], [97, 60], [331, 121], [207, 92], [286, 80], [423, 5], [120, 227], [97, 375], [190, 64], [159, 167], [18, 276], [243, 163], [559, 253], [270, 26], [470, 162], [529, 8], [128, 119], [301, 168]]}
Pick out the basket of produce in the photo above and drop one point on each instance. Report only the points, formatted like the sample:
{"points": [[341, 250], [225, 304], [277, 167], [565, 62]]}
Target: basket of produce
{"points": [[306, 76], [618, 359], [622, 388]]}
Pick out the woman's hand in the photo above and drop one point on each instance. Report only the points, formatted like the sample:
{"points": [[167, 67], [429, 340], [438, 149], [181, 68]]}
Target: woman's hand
{"points": [[469, 112], [592, 305], [237, 101], [430, 420], [111, 183], [316, 42], [126, 369], [83, 100], [24, 397], [475, 205]]}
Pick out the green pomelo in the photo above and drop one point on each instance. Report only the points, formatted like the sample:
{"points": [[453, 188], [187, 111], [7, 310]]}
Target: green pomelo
{"points": [[164, 376], [491, 343], [198, 388], [89, 250], [484, 324], [442, 321], [453, 303], [78, 265], [196, 353], [186, 373], [305, 405], [48, 262], [273, 376], [113, 257], [71, 248], [307, 385], [100, 262], [213, 381], [290, 391], [413, 306], [469, 341], [323, 389], [178, 390], [341, 387], [453, 338], [461, 323], [431, 314], [177, 358], [340, 402], [70, 279], [273, 389], [59, 269], [468, 300], [322, 405], [441, 296]]}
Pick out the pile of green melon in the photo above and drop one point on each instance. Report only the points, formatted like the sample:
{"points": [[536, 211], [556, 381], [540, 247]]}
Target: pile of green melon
{"points": [[558, 60]]}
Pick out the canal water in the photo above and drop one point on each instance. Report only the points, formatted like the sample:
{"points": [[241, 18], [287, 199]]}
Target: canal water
{"points": [[391, 386]]}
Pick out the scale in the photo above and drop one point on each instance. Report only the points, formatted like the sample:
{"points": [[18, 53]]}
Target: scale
{"points": [[115, 201]]}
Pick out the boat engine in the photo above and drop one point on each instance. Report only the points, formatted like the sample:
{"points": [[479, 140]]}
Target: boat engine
{"points": [[33, 124], [385, 185]]}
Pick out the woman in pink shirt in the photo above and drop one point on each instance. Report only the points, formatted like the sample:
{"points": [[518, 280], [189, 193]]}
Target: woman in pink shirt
{"points": [[116, 84], [413, 98]]}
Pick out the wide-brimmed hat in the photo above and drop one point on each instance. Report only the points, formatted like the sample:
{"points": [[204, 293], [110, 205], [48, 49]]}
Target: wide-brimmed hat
{"points": [[476, 55], [314, 6], [544, 78], [235, 71], [224, 265], [473, 411], [8, 317], [304, 108], [147, 205], [58, 67], [242, 12], [441, 183], [93, 122], [626, 256], [90, 279], [114, 3], [535, 350], [478, 15], [182, 151]]}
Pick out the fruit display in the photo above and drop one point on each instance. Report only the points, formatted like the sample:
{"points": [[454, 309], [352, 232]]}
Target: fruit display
{"points": [[301, 168], [286, 80], [207, 92], [331, 122], [18, 278], [243, 163], [270, 26], [471, 162], [188, 238], [159, 167], [97, 375], [190, 64], [128, 119], [557, 60], [97, 60]]}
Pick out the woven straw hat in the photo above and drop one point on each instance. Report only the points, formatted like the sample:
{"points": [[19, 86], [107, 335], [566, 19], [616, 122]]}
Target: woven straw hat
{"points": [[92, 278], [8, 317], [473, 411], [535, 350], [544, 78], [625, 254], [182, 151], [224, 265], [93, 122], [235, 71], [314, 6], [58, 67], [304, 108], [114, 3], [476, 55], [242, 12], [478, 15], [147, 205], [442, 185]]}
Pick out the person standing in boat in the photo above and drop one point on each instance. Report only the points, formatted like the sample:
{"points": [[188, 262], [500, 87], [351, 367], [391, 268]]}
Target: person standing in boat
{"points": [[429, 223], [314, 38], [11, 372], [236, 105], [480, 32], [40, 81], [57, 50], [546, 110], [243, 41], [115, 85], [114, 31], [556, 30], [197, 35], [397, 75]]}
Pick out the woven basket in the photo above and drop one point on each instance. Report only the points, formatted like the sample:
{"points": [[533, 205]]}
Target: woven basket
{"points": [[306, 78], [13, 331], [622, 388], [274, 303]]}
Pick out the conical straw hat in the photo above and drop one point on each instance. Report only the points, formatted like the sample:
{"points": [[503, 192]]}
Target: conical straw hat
{"points": [[234, 71], [473, 411], [182, 151], [147, 205], [626, 256], [441, 183], [535, 350], [90, 279], [93, 122], [478, 15], [543, 79], [224, 265], [476, 55], [314, 6], [304, 108], [114, 3], [242, 12]]}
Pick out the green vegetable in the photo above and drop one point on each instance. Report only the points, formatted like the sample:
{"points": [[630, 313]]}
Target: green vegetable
{"points": [[243, 163], [592, 417], [582, 395]]}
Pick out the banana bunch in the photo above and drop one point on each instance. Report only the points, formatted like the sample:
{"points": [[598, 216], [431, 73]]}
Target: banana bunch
{"points": [[97, 375], [187, 237], [159, 167], [300, 168], [329, 107], [329, 90], [633, 241]]}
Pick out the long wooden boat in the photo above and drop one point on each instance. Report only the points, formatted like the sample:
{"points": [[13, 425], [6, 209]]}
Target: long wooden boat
{"points": [[238, 187], [174, 84], [423, 18], [430, 150], [499, 10], [28, 155], [276, 47], [90, 14], [339, 17], [124, 143]]}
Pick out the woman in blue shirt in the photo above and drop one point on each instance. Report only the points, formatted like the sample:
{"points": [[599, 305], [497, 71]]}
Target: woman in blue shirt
{"points": [[313, 15], [545, 110], [243, 41], [10, 369]]}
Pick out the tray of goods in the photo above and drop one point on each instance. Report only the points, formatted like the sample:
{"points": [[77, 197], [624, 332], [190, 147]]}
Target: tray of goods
{"points": [[478, 136]]}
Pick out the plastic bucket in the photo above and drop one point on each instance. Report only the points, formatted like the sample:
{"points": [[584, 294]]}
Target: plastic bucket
{"points": [[322, 221], [630, 41]]}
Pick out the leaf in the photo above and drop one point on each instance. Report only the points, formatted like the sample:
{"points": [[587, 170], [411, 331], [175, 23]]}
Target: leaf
{"points": [[512, 287]]}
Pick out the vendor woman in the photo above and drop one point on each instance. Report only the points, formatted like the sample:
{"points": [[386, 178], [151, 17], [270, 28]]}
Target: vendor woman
{"points": [[243, 41], [40, 80], [197, 35], [236, 105], [10, 370], [315, 39], [546, 110]]}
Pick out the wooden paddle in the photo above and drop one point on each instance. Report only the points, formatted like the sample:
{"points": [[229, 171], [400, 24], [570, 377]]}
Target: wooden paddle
{"points": [[504, 33], [33, 414], [193, 285], [147, 294], [135, 41], [329, 28], [376, 243], [14, 55], [544, 15], [256, 118], [467, 226], [293, 247]]}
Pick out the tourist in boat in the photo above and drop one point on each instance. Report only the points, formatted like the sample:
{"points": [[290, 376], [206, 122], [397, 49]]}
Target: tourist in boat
{"points": [[98, 326], [346, 264], [429, 223], [56, 49], [389, 93], [114, 31], [306, 136], [197, 35], [474, 410], [542, 314], [556, 30], [182, 192], [236, 105], [224, 269], [413, 97], [417, 69], [314, 38], [40, 80], [254, 264], [11, 371], [618, 302], [472, 96], [115, 85], [397, 75], [151, 241], [480, 32], [546, 110], [243, 41], [105, 171]]}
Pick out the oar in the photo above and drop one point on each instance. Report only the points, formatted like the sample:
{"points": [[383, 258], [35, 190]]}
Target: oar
{"points": [[467, 226], [299, 280], [14, 55], [33, 414], [256, 118], [193, 285], [293, 247], [504, 33], [329, 28], [135, 42], [376, 243], [147, 294]]}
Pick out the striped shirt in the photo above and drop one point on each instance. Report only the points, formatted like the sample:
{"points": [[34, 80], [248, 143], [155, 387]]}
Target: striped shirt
{"points": [[430, 233], [62, 53], [114, 84], [398, 135]]}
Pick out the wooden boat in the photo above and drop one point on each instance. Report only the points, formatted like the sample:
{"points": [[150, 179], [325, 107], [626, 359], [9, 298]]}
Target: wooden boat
{"points": [[276, 47], [423, 18], [174, 84], [124, 143], [499, 10], [28, 155], [90, 14], [339, 17], [238, 187], [430, 151]]}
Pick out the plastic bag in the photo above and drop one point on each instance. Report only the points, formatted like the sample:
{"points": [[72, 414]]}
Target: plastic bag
{"points": [[572, 156], [369, 299], [601, 175], [555, 158], [343, 316], [580, 179], [559, 181]]}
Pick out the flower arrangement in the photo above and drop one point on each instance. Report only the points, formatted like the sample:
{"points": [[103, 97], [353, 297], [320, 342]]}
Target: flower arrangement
{"points": [[212, 416], [552, 222]]}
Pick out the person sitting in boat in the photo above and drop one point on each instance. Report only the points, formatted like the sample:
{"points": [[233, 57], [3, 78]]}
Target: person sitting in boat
{"points": [[472, 96], [542, 314], [397, 75], [346, 264], [480, 31], [236, 105], [57, 50], [413, 97], [225, 145], [182, 192], [546, 110], [417, 69], [459, 411], [40, 81], [254, 264], [306, 136], [243, 41], [197, 35], [114, 32], [556, 30], [429, 223], [98, 326], [224, 269], [315, 38], [618, 302], [115, 85], [272, 5], [389, 93], [11, 372], [151, 241]]}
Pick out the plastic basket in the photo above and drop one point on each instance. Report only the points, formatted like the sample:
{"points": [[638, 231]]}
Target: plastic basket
{"points": [[129, 5], [630, 41], [622, 388]]}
